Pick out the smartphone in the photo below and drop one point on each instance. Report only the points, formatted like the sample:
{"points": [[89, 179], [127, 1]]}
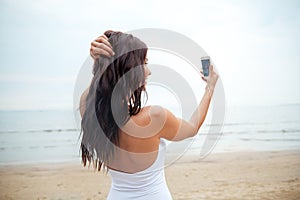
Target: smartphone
{"points": [[205, 61]]}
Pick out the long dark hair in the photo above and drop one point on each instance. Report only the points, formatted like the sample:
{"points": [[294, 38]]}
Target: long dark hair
{"points": [[114, 95]]}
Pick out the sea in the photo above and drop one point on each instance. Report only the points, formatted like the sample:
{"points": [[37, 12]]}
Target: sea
{"points": [[53, 136]]}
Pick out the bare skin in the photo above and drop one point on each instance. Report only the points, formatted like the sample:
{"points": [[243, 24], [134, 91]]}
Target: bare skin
{"points": [[141, 135]]}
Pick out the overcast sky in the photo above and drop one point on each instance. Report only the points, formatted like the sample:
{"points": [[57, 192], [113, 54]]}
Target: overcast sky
{"points": [[254, 44]]}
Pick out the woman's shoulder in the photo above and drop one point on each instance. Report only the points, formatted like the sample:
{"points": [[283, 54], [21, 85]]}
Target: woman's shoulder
{"points": [[152, 112], [150, 120], [154, 109]]}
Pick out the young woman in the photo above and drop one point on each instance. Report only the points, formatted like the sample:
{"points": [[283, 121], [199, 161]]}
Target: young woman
{"points": [[120, 135]]}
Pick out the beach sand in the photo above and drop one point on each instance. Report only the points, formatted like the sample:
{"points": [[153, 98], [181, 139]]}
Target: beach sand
{"points": [[245, 175]]}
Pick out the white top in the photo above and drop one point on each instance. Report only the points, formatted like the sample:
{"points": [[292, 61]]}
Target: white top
{"points": [[148, 184]]}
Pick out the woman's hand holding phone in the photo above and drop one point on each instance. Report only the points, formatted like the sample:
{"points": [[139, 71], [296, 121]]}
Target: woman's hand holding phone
{"points": [[211, 79]]}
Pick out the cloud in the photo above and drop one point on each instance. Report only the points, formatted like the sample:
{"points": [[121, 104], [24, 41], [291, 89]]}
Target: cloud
{"points": [[47, 41]]}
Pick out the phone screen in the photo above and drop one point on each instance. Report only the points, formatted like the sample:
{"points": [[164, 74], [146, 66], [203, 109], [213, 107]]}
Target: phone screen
{"points": [[205, 66]]}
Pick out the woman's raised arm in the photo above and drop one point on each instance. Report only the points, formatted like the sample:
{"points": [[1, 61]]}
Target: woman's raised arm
{"points": [[176, 129], [100, 46]]}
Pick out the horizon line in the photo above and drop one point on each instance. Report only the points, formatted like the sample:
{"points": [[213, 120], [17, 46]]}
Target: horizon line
{"points": [[70, 108]]}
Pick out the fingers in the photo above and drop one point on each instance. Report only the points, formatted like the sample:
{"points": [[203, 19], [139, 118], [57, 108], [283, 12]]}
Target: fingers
{"points": [[103, 39], [101, 46], [202, 76], [93, 56], [204, 79], [96, 52], [213, 78], [104, 36], [211, 69]]}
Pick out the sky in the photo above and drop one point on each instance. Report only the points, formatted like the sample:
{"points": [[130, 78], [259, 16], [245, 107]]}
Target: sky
{"points": [[255, 45]]}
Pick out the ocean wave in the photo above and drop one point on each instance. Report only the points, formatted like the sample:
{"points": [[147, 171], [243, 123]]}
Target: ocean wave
{"points": [[254, 123], [205, 131], [266, 131], [42, 130], [271, 139]]}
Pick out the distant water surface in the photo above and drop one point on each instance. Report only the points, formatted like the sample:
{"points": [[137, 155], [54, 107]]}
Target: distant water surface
{"points": [[52, 135]]}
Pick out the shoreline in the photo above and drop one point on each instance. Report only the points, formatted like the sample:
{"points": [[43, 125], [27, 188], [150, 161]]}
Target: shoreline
{"points": [[186, 158], [234, 175]]}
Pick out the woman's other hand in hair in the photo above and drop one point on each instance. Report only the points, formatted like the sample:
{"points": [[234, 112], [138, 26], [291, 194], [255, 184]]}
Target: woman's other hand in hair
{"points": [[101, 46]]}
